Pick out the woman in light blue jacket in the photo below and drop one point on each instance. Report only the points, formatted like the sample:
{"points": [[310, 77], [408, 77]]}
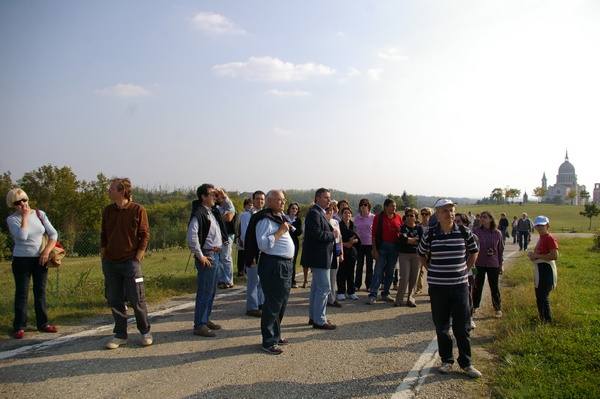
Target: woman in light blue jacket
{"points": [[27, 227]]}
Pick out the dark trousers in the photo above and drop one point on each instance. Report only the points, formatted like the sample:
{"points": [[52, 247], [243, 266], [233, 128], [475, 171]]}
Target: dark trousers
{"points": [[452, 301], [24, 268], [276, 279], [542, 292], [493, 274], [125, 277], [240, 262], [523, 239], [364, 253], [345, 274]]}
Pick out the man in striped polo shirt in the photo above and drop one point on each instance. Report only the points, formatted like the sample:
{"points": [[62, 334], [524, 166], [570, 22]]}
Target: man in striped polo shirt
{"points": [[448, 253]]}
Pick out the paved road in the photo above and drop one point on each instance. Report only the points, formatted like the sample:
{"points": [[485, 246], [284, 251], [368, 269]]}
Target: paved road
{"points": [[377, 351]]}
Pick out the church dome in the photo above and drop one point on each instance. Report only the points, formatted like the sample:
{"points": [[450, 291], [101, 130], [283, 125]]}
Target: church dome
{"points": [[566, 168]]}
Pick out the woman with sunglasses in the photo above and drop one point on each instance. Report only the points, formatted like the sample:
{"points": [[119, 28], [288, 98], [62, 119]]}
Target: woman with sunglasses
{"points": [[408, 259], [29, 260]]}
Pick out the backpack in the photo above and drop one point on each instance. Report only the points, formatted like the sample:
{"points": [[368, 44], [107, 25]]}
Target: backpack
{"points": [[463, 232]]}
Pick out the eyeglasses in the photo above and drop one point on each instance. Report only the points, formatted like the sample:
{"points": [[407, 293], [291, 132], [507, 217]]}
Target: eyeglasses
{"points": [[17, 203]]}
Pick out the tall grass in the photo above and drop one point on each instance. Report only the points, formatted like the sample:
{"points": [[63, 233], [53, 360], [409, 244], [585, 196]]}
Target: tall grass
{"points": [[561, 360], [75, 291]]}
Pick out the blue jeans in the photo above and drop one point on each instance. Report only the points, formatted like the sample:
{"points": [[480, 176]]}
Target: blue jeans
{"points": [[319, 291], [24, 268], [125, 281], [254, 292], [226, 263], [384, 268], [276, 280], [207, 288], [452, 301]]}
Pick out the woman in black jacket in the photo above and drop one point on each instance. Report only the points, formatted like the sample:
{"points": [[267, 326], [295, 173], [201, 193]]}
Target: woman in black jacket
{"points": [[296, 231], [350, 241]]}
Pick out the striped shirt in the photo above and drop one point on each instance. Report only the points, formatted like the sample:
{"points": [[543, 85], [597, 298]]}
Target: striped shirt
{"points": [[448, 265]]}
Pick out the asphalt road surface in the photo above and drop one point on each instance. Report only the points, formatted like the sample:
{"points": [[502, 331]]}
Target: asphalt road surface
{"points": [[377, 351]]}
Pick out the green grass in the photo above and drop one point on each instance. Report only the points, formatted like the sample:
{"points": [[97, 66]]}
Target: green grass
{"points": [[563, 218], [551, 361], [75, 291]]}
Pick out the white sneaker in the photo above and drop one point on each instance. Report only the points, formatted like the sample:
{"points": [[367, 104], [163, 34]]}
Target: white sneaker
{"points": [[472, 372], [353, 297], [341, 297], [498, 314], [115, 343], [147, 339], [473, 324], [445, 368]]}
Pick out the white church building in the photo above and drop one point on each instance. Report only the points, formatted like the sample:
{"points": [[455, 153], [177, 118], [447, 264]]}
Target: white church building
{"points": [[566, 181]]}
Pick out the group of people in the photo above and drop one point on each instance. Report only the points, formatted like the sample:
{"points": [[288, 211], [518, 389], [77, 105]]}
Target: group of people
{"points": [[441, 247]]}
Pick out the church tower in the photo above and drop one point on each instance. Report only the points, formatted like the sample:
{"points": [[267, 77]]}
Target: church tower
{"points": [[544, 182]]}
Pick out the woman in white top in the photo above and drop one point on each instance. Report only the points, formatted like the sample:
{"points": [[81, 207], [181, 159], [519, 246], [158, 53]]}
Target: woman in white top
{"points": [[29, 260]]}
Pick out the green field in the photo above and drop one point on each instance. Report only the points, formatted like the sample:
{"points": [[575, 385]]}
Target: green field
{"points": [[563, 218], [535, 360]]}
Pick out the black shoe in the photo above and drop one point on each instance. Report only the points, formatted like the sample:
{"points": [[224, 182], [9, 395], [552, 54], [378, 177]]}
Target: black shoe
{"points": [[274, 350]]}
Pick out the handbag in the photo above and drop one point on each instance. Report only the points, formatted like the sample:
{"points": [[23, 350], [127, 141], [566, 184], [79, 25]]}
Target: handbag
{"points": [[58, 252]]}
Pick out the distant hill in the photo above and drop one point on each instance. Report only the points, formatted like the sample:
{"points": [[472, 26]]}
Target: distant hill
{"points": [[307, 197]]}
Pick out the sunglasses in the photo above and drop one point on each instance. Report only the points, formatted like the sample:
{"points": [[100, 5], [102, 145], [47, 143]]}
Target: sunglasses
{"points": [[364, 204], [410, 215], [424, 214], [17, 203]]}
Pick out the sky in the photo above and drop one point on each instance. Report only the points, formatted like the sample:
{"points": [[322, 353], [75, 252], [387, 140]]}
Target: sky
{"points": [[432, 97]]}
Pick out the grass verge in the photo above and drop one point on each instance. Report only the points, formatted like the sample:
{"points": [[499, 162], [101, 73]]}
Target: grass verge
{"points": [[562, 360]]}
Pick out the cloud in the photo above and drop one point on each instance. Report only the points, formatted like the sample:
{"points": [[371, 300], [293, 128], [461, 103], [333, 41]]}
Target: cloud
{"points": [[124, 90], [272, 70], [292, 93], [375, 74], [216, 24], [393, 54]]}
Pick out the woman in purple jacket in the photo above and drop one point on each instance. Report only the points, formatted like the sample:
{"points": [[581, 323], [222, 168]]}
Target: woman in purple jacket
{"points": [[489, 260]]}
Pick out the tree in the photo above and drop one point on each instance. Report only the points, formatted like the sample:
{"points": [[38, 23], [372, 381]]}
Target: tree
{"points": [[571, 194], [584, 195], [540, 192], [56, 191], [512, 193], [6, 184], [497, 195], [410, 201], [590, 211]]}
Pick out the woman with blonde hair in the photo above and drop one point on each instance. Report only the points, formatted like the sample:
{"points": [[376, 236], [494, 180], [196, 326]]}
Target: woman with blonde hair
{"points": [[27, 227]]}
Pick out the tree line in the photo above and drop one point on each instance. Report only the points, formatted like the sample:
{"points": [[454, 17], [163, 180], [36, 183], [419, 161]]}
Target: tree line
{"points": [[75, 205]]}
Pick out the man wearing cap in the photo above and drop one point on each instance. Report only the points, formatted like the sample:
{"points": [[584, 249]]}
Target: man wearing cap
{"points": [[524, 228], [206, 236], [448, 253]]}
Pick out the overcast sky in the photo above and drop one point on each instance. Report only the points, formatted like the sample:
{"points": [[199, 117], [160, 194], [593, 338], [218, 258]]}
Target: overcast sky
{"points": [[441, 98]]}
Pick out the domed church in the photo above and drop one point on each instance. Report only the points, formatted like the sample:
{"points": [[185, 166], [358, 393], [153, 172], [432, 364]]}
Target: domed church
{"points": [[566, 180]]}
